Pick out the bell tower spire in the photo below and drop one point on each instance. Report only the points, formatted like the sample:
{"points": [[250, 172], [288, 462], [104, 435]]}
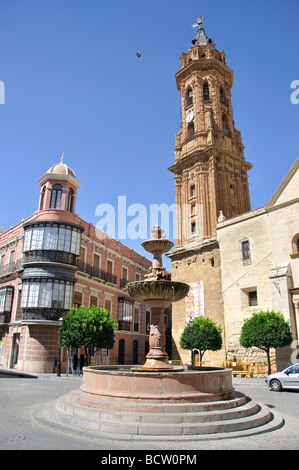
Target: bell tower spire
{"points": [[210, 168]]}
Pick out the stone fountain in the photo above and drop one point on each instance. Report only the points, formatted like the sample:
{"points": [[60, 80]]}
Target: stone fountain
{"points": [[157, 398], [157, 291]]}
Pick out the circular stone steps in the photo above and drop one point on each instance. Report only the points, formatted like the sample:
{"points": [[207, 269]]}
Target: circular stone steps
{"points": [[232, 418]]}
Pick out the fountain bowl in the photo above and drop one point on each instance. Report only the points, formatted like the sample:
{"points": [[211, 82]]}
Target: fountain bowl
{"points": [[144, 291]]}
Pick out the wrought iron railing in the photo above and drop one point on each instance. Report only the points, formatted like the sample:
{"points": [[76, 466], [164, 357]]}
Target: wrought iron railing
{"points": [[123, 282], [49, 256], [11, 267], [96, 272], [40, 313]]}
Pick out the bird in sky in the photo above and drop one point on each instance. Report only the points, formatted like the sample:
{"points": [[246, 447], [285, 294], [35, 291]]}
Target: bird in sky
{"points": [[138, 54]]}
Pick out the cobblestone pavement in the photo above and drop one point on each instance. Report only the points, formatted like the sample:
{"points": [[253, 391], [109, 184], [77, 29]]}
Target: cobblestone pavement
{"points": [[20, 396]]}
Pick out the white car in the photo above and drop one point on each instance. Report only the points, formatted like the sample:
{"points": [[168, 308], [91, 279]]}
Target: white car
{"points": [[288, 378]]}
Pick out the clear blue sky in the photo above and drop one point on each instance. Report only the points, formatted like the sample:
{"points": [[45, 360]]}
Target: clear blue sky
{"points": [[73, 84]]}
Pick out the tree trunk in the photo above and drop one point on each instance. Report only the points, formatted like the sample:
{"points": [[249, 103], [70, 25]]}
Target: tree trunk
{"points": [[268, 360]]}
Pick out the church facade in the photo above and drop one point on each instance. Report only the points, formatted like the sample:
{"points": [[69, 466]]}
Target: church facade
{"points": [[212, 197]]}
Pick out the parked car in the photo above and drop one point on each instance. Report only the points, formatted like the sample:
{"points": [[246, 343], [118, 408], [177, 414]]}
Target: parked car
{"points": [[288, 378]]}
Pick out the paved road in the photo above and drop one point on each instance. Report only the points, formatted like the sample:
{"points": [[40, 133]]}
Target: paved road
{"points": [[20, 396]]}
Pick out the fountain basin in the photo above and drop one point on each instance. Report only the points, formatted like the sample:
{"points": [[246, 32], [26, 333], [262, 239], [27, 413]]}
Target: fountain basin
{"points": [[119, 388], [157, 245], [170, 291]]}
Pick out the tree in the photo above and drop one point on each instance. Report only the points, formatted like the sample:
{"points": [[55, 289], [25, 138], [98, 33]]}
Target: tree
{"points": [[266, 330], [91, 328], [206, 336]]}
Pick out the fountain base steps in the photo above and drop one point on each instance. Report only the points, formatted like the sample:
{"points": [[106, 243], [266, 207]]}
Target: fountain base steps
{"points": [[238, 417]]}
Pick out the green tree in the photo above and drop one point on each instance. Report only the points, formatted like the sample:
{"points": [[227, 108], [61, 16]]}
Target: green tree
{"points": [[266, 330], [206, 336], [91, 328]]}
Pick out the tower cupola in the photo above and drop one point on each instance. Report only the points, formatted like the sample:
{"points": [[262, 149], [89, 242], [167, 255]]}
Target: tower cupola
{"points": [[58, 188]]}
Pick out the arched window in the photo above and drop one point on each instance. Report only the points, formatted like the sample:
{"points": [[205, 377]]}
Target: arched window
{"points": [[295, 244], [56, 196], [70, 201], [206, 92], [191, 129], [189, 97], [223, 97], [225, 125], [42, 198]]}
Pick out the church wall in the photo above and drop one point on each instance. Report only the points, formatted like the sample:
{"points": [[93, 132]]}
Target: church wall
{"points": [[191, 267], [242, 278]]}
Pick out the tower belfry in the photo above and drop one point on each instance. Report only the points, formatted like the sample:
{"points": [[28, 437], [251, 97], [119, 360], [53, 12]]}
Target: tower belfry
{"points": [[210, 168], [211, 181]]}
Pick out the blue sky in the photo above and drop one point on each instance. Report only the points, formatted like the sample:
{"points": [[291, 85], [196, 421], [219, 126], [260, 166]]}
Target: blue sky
{"points": [[73, 84]]}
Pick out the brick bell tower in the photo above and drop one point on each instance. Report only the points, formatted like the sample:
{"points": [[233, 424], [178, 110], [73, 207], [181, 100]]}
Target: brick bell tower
{"points": [[211, 181]]}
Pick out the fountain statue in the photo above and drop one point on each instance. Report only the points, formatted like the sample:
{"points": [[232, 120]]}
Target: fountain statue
{"points": [[157, 291]]}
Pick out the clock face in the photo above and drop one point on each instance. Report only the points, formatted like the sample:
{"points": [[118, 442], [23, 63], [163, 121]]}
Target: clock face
{"points": [[190, 116]]}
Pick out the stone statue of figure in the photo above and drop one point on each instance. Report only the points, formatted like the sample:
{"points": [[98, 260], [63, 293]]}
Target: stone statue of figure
{"points": [[155, 337]]}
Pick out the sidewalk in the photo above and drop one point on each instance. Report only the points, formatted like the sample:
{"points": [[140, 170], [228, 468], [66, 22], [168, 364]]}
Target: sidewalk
{"points": [[257, 381], [33, 375]]}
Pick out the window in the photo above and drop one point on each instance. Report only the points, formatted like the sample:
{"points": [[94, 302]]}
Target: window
{"points": [[56, 196], [93, 301], [52, 237], [47, 293], [96, 260], [77, 299], [147, 321], [206, 92], [6, 298], [192, 190], [252, 298], [42, 198], [245, 252], [190, 129], [108, 305], [137, 277], [225, 125], [136, 319], [295, 245], [109, 266], [189, 97], [223, 99], [125, 313], [193, 227], [70, 201]]}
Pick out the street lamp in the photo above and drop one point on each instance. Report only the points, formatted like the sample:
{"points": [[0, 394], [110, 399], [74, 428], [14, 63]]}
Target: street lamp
{"points": [[59, 351], [191, 323]]}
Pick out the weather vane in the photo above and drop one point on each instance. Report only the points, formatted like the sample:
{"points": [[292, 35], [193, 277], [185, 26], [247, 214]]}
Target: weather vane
{"points": [[198, 22]]}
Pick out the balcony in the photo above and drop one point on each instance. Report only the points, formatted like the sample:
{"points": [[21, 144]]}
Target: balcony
{"points": [[123, 283], [49, 256], [123, 325], [96, 272], [11, 268], [40, 313]]}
